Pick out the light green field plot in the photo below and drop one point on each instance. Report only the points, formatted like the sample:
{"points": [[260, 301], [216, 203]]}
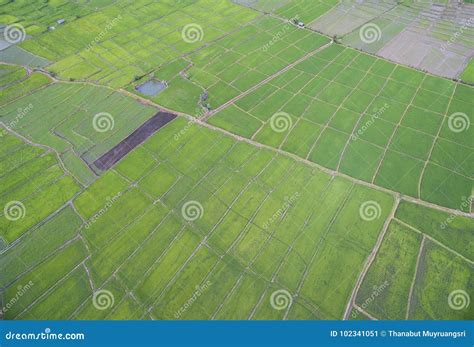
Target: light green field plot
{"points": [[385, 290], [15, 83], [33, 186], [303, 10], [369, 119], [72, 132], [468, 73]]}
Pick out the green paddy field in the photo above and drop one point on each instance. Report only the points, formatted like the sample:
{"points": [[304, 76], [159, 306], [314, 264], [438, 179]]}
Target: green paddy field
{"points": [[301, 179]]}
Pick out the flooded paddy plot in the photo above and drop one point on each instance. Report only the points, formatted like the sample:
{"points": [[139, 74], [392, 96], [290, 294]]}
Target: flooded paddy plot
{"points": [[349, 15], [435, 37], [151, 87]]}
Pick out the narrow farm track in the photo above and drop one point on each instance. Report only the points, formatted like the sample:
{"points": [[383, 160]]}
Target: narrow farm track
{"points": [[258, 85], [412, 286], [193, 120]]}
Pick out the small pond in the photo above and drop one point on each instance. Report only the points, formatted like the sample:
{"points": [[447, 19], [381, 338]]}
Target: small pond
{"points": [[151, 87]]}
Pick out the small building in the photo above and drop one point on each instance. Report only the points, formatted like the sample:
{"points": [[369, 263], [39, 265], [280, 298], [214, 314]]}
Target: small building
{"points": [[61, 21]]}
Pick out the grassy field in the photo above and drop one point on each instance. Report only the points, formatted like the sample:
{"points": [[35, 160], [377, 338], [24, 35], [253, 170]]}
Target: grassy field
{"points": [[219, 222], [367, 118], [92, 120], [301, 178]]}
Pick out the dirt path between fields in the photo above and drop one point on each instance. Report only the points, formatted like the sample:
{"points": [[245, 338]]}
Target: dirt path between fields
{"points": [[266, 80]]}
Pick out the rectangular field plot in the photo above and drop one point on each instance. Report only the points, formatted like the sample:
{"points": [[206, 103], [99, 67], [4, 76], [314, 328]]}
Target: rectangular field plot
{"points": [[370, 119], [34, 185], [385, 290]]}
